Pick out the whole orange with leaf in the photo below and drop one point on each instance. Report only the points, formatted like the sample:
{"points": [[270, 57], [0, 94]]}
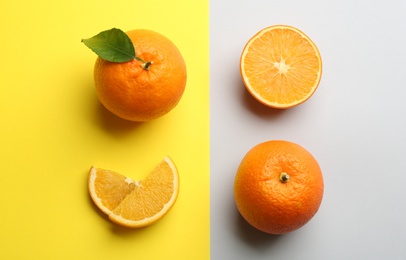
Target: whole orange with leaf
{"points": [[278, 187], [146, 83]]}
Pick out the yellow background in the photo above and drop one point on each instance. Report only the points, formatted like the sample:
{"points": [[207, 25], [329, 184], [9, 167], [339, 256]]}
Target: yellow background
{"points": [[53, 129]]}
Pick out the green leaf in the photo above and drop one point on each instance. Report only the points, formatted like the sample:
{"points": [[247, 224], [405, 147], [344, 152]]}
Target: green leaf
{"points": [[112, 45]]}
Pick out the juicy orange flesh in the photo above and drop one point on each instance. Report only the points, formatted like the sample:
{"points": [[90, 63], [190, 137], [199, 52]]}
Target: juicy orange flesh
{"points": [[135, 203], [282, 66], [149, 197], [112, 188]]}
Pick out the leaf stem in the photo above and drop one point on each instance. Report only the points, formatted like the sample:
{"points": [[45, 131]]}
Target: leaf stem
{"points": [[146, 65]]}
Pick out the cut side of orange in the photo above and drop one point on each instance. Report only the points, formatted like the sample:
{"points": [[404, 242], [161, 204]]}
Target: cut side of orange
{"points": [[133, 203], [281, 66]]}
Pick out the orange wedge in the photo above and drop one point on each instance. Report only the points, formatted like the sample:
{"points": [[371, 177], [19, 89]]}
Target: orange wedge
{"points": [[281, 66], [135, 203]]}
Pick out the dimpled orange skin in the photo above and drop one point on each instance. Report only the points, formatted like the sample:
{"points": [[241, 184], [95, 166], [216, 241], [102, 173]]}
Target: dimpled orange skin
{"points": [[136, 94], [267, 203]]}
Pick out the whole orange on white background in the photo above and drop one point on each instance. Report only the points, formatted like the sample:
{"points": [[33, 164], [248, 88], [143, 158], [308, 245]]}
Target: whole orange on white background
{"points": [[278, 187]]}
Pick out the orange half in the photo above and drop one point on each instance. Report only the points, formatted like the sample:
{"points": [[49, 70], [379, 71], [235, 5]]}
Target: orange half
{"points": [[133, 203], [281, 66]]}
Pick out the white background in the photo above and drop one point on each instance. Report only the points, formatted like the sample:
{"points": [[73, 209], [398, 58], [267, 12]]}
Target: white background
{"points": [[354, 125]]}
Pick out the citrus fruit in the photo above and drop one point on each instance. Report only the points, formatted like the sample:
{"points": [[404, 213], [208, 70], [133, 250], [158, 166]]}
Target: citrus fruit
{"points": [[278, 187], [280, 66], [137, 92], [133, 203]]}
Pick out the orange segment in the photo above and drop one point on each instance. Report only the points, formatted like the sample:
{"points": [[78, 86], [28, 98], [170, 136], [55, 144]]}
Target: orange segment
{"points": [[108, 188], [281, 66], [135, 203]]}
